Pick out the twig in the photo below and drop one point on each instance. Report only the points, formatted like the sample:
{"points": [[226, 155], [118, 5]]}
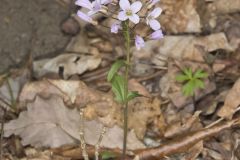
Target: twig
{"points": [[184, 143], [2, 132], [179, 145]]}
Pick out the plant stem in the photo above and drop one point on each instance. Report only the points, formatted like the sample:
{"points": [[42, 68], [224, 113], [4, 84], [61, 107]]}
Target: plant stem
{"points": [[126, 33]]}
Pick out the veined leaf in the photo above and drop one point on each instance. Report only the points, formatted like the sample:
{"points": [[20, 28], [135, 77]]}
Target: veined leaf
{"points": [[188, 88], [182, 78], [118, 88], [200, 74], [132, 95], [188, 72], [199, 84], [114, 69]]}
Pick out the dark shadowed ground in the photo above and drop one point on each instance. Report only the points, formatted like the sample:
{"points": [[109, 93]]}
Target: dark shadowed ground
{"points": [[30, 26]]}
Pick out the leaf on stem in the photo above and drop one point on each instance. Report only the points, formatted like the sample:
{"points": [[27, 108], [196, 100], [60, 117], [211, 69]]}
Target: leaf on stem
{"points": [[114, 69], [133, 94], [118, 88]]}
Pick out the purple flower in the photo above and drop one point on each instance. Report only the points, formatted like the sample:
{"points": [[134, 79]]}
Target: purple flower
{"points": [[157, 35], [86, 17], [151, 19], [115, 27], [129, 11], [93, 7], [139, 42], [85, 4]]}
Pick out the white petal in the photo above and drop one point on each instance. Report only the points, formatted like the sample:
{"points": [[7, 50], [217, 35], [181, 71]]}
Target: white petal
{"points": [[136, 6], [122, 16], [154, 24], [156, 12], [134, 18], [124, 4], [84, 3]]}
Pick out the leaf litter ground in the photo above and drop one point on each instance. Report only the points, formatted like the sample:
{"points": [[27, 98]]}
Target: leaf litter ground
{"points": [[42, 110]]}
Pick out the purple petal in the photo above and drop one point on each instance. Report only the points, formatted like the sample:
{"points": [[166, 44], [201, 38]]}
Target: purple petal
{"points": [[105, 2], [154, 24], [92, 12], [84, 3], [115, 27], [134, 18], [84, 17], [136, 6], [97, 5], [124, 4], [122, 16], [139, 42], [156, 12], [157, 35]]}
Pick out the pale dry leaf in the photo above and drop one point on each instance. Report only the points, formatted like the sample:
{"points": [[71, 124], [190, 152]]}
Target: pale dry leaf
{"points": [[73, 92], [47, 122], [113, 137], [180, 16], [231, 103], [68, 64], [175, 47], [98, 105]]}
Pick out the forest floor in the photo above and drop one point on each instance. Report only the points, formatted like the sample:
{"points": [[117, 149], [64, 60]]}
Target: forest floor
{"points": [[54, 68]]}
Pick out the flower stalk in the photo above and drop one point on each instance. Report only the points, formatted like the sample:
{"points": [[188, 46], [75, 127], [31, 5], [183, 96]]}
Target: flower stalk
{"points": [[126, 32]]}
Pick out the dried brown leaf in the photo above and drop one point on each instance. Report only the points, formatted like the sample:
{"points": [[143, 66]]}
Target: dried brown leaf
{"points": [[49, 123], [231, 103]]}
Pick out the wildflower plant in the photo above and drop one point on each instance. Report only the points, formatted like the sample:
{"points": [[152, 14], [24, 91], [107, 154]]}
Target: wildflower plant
{"points": [[191, 80], [127, 14]]}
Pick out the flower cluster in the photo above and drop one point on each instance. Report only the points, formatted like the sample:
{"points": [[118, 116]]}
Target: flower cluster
{"points": [[127, 11]]}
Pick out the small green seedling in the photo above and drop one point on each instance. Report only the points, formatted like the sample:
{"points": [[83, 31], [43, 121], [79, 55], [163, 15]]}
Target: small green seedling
{"points": [[192, 81], [106, 155]]}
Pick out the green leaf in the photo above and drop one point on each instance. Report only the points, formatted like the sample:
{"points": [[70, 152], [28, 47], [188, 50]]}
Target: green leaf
{"points": [[118, 88], [114, 69], [188, 72], [188, 88], [181, 78], [193, 80], [200, 74], [132, 95], [199, 84], [107, 155]]}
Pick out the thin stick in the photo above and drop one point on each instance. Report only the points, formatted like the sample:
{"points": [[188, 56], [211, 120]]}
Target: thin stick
{"points": [[2, 132]]}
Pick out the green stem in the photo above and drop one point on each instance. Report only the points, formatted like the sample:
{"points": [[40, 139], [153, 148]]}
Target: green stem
{"points": [[126, 33]]}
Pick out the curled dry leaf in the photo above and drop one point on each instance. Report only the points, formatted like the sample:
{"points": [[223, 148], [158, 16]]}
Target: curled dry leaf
{"points": [[67, 65], [231, 103], [47, 122], [180, 16], [98, 105]]}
